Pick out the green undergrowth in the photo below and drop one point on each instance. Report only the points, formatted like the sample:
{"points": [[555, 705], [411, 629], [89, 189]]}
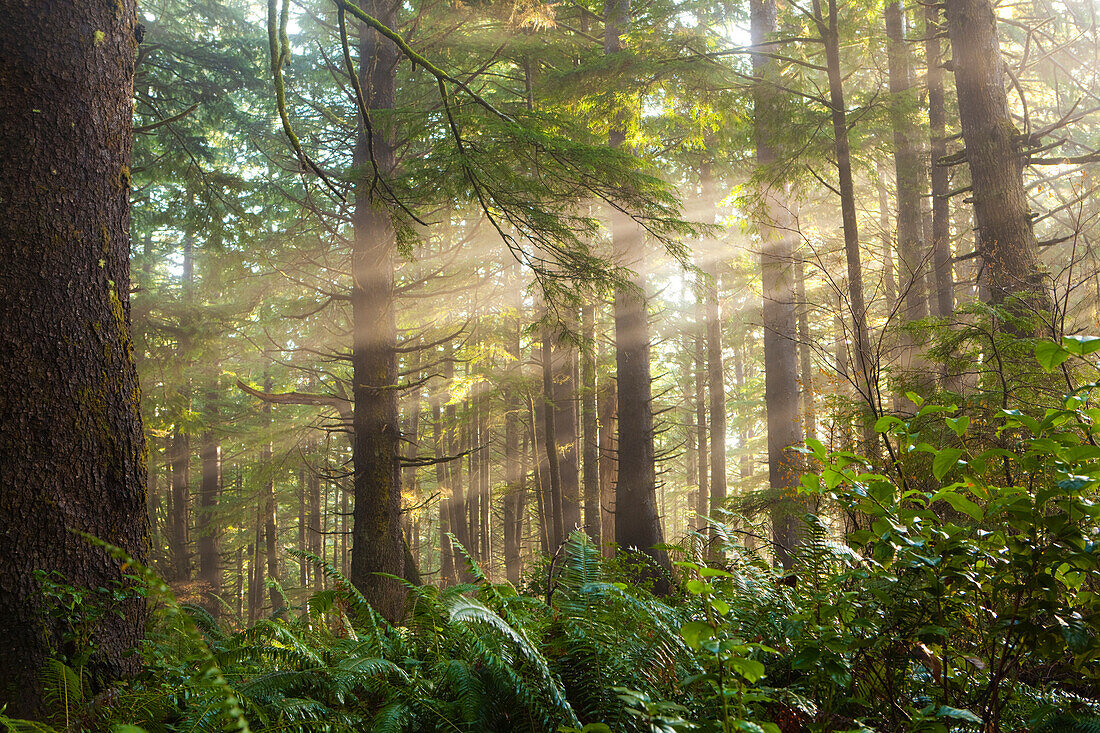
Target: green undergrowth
{"points": [[952, 588]]}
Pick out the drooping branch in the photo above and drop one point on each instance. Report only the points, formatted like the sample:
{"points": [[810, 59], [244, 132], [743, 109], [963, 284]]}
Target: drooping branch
{"points": [[342, 404]]}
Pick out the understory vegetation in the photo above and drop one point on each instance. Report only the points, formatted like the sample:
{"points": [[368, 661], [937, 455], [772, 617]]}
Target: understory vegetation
{"points": [[955, 591]]}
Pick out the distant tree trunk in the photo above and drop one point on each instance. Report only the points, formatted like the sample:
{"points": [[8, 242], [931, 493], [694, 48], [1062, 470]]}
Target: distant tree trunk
{"points": [[179, 497], [745, 467], [937, 127], [377, 544], [863, 363], [454, 467], [73, 453], [446, 553], [485, 443], [806, 365], [411, 439], [907, 166], [315, 538], [473, 471], [514, 460], [550, 442], [270, 519], [703, 496], [607, 405], [591, 459], [541, 467], [256, 568], [778, 277], [210, 575], [716, 380], [303, 532], [565, 424], [1006, 241], [637, 524], [887, 240]]}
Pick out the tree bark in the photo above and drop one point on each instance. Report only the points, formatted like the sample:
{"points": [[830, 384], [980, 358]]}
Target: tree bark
{"points": [[270, 521], [74, 457], [866, 383], [1009, 252], [210, 575], [702, 498], [907, 167], [778, 281], [637, 524], [937, 127], [377, 545], [591, 457]]}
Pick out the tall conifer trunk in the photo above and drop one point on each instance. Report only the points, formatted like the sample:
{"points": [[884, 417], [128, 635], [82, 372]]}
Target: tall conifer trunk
{"points": [[73, 453], [778, 278], [1006, 242], [937, 127], [377, 545], [591, 457], [637, 524], [209, 490]]}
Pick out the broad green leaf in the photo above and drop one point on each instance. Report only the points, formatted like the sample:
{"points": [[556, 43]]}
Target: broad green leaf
{"points": [[1050, 355], [960, 503], [958, 425], [944, 461]]}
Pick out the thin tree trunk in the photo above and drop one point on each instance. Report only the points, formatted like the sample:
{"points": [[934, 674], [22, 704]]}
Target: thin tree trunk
{"points": [[270, 520], [550, 442], [446, 553], [806, 360], [210, 575], [591, 459], [565, 439], [937, 128], [865, 385], [607, 405], [716, 379], [703, 495]]}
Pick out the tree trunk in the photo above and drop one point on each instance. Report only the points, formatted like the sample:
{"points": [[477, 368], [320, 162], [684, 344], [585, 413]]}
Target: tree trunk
{"points": [[1006, 241], [865, 383], [778, 278], [806, 359], [591, 458], [607, 405], [637, 524], [377, 545], [446, 553], [550, 443], [908, 168], [210, 575], [71, 439], [179, 497], [513, 469], [315, 538], [937, 127], [703, 496], [270, 520], [565, 424], [716, 380]]}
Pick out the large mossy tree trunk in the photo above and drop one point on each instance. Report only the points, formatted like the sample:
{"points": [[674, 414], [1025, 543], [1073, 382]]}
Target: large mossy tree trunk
{"points": [[1006, 242], [377, 545], [73, 454]]}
